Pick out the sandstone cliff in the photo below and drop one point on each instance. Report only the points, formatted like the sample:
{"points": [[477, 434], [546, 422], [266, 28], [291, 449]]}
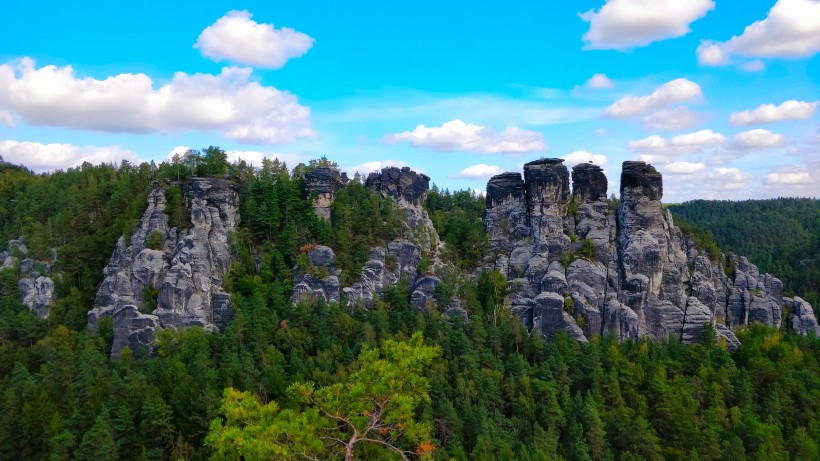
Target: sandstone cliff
{"points": [[578, 264], [184, 269]]}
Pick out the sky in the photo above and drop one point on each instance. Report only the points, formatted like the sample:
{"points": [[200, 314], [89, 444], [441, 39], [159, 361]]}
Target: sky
{"points": [[721, 96]]}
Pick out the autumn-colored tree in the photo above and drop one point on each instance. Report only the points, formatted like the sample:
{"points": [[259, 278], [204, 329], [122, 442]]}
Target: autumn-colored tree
{"points": [[374, 406]]}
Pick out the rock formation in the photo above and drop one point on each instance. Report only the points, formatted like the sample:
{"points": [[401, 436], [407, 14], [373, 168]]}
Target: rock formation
{"points": [[408, 191], [322, 183], [184, 268], [386, 265], [37, 289], [576, 264]]}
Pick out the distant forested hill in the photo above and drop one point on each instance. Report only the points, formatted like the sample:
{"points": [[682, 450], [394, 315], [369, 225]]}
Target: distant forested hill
{"points": [[781, 236]]}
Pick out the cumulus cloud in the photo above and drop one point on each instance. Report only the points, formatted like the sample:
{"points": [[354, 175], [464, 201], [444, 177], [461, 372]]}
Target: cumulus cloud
{"points": [[791, 30], [670, 93], [791, 176], [679, 118], [626, 24], [369, 167], [480, 171], [582, 156], [682, 143], [758, 139], [237, 38], [769, 113], [729, 178], [599, 81], [684, 168], [457, 135], [41, 157], [228, 102]]}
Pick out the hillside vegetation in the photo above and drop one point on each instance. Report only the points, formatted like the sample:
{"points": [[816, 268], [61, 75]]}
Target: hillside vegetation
{"points": [[781, 236], [290, 382]]}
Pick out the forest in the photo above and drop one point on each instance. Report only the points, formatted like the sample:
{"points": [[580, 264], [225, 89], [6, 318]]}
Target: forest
{"points": [[781, 236], [323, 381]]}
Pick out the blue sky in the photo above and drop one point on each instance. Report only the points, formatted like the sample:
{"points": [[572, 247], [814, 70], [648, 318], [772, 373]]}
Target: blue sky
{"points": [[721, 96]]}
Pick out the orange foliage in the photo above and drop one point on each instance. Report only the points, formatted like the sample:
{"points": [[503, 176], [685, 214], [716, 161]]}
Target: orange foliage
{"points": [[305, 248], [426, 449]]}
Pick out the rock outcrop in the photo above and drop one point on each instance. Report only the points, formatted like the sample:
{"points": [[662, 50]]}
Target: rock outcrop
{"points": [[386, 265], [37, 289], [408, 191], [322, 184], [576, 264], [802, 319], [183, 268]]}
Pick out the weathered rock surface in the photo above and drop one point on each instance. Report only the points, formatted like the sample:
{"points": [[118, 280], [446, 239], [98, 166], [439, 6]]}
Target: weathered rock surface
{"points": [[133, 329], [186, 270], [408, 191], [802, 319], [37, 289], [323, 183], [576, 265], [322, 282], [37, 294]]}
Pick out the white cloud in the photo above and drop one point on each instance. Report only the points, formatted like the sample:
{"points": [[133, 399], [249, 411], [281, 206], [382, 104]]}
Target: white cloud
{"points": [[791, 30], [479, 192], [626, 24], [711, 54], [682, 143], [670, 93], [679, 118], [758, 139], [753, 66], [601, 132], [254, 158], [480, 171], [769, 113], [237, 38], [456, 135], [729, 178], [369, 167], [582, 156], [47, 157], [228, 102], [6, 118], [790, 176], [683, 168], [599, 81], [178, 150]]}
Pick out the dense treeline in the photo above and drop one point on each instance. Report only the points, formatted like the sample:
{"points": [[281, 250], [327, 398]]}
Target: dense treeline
{"points": [[781, 236], [495, 391]]}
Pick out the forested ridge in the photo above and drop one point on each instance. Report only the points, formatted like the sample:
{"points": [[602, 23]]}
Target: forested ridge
{"points": [[781, 236], [302, 382]]}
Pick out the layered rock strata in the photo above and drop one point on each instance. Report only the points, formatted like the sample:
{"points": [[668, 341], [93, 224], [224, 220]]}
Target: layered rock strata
{"points": [[388, 264], [575, 263], [322, 184], [184, 269]]}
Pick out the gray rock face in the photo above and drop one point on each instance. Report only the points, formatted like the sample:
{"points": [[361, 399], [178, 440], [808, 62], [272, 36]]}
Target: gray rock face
{"points": [[385, 268], [408, 191], [323, 183], [133, 329], [37, 294], [322, 282], [628, 272], [186, 272], [37, 289], [803, 319]]}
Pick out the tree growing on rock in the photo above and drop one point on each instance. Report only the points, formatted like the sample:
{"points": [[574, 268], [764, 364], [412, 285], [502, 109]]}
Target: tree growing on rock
{"points": [[371, 412]]}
